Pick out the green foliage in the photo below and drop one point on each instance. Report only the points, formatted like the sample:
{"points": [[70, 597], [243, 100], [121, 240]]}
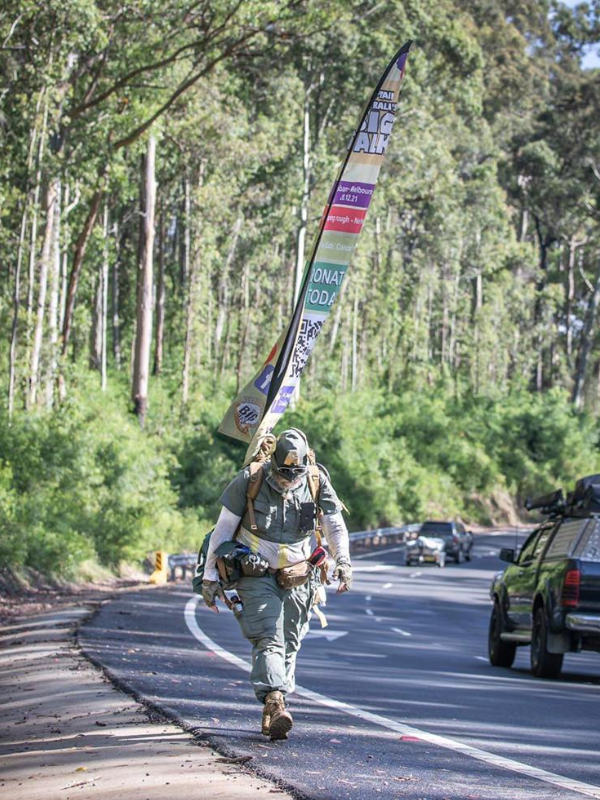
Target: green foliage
{"points": [[421, 454], [86, 485], [440, 384], [83, 483]]}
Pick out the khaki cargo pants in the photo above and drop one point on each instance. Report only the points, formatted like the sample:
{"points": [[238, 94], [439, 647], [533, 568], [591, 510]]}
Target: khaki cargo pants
{"points": [[275, 621]]}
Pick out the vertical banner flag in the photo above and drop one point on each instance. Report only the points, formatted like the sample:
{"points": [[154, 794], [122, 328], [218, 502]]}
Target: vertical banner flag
{"points": [[257, 408]]}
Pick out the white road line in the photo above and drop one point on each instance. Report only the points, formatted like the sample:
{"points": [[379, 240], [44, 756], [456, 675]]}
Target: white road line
{"points": [[374, 568], [387, 585], [398, 727], [415, 574], [482, 658], [369, 611], [368, 598], [401, 632], [379, 553]]}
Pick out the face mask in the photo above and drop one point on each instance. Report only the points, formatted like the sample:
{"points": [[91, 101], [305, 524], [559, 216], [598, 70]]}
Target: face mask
{"points": [[288, 477]]}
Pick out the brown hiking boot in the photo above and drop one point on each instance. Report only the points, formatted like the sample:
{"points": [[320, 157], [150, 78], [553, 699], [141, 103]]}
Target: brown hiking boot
{"points": [[279, 720], [266, 721]]}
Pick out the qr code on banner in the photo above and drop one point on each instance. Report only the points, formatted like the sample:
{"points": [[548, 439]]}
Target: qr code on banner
{"points": [[309, 330]]}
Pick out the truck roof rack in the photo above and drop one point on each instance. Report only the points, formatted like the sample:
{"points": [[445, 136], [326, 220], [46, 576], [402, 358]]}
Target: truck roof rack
{"points": [[551, 504], [584, 501]]}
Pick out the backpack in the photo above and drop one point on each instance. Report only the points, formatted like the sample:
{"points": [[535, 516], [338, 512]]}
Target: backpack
{"points": [[263, 453]]}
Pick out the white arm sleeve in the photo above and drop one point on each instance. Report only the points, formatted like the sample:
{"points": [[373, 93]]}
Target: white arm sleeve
{"points": [[336, 534], [226, 526]]}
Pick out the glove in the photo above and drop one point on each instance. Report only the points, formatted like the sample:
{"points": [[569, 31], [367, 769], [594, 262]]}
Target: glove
{"points": [[343, 573], [210, 591]]}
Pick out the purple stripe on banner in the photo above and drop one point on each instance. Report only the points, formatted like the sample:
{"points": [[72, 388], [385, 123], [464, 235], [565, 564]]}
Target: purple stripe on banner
{"points": [[355, 194], [283, 399]]}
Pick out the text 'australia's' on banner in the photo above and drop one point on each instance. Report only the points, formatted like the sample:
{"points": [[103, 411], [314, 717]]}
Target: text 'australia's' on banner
{"points": [[260, 404]]}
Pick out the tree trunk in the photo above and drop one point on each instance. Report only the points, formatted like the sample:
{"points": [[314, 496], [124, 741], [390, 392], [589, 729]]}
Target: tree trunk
{"points": [[243, 324], [336, 325], [185, 240], [354, 382], [160, 299], [34, 220], [64, 258], [78, 255], [54, 298], [96, 330], [12, 356], [46, 254], [524, 225], [303, 222], [224, 286], [104, 305], [586, 343], [370, 294], [189, 330], [574, 245], [569, 297], [116, 324], [444, 332], [143, 334]]}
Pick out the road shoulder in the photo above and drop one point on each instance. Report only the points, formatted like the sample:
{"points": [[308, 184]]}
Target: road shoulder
{"points": [[67, 731]]}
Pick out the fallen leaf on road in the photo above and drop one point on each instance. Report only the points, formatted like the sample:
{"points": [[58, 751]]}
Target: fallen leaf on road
{"points": [[81, 783], [234, 760], [101, 724], [81, 769], [335, 741], [410, 739], [405, 778]]}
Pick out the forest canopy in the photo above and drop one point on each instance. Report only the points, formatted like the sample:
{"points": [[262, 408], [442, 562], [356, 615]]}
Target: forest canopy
{"points": [[163, 168]]}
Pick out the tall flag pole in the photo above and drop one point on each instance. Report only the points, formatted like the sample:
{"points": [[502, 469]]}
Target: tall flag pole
{"points": [[260, 404]]}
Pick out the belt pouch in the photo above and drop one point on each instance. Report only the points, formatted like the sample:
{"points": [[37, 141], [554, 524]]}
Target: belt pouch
{"points": [[294, 575]]}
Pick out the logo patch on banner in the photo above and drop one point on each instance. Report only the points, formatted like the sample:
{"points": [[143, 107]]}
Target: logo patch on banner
{"points": [[247, 414], [263, 381]]}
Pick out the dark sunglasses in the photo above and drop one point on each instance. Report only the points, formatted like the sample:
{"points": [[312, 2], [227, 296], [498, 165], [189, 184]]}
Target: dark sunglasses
{"points": [[291, 472]]}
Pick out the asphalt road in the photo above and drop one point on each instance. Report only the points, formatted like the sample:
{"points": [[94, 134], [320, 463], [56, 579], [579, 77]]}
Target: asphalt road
{"points": [[397, 697]]}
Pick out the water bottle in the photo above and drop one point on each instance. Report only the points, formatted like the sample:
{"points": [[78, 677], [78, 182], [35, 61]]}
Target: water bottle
{"points": [[236, 604]]}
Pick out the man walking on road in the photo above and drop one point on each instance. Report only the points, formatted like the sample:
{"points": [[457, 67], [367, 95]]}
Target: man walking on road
{"points": [[279, 527]]}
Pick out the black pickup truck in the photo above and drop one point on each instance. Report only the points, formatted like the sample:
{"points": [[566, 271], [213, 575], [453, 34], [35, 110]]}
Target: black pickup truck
{"points": [[549, 595]]}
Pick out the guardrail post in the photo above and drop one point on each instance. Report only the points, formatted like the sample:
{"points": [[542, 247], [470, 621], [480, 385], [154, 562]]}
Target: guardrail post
{"points": [[161, 565]]}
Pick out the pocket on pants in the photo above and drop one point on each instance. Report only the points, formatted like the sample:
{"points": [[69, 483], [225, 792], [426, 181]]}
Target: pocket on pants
{"points": [[262, 608]]}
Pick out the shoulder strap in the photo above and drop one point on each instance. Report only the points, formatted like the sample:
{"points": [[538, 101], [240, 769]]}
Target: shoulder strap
{"points": [[314, 482], [254, 484], [314, 485]]}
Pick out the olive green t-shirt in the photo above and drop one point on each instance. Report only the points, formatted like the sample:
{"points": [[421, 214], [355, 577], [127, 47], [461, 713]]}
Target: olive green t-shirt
{"points": [[277, 512]]}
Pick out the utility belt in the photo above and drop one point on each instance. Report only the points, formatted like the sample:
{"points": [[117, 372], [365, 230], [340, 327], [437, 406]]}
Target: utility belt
{"points": [[235, 560]]}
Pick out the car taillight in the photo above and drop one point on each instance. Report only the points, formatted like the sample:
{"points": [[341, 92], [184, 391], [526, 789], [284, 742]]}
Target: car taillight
{"points": [[570, 591]]}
